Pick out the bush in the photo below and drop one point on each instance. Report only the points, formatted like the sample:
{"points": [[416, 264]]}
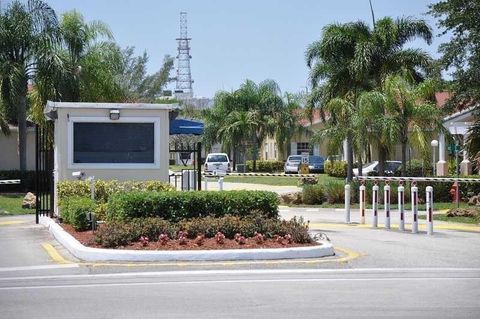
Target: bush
{"points": [[266, 166], [175, 206], [336, 168], [27, 181], [74, 211], [416, 168], [104, 189], [334, 192], [118, 233], [313, 194]]}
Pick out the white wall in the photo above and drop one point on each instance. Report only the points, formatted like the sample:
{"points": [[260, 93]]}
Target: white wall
{"points": [[9, 159]]}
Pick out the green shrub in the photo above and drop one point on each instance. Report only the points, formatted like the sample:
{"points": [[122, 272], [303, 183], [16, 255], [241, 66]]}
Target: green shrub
{"points": [[74, 211], [313, 194], [336, 168], [334, 192], [416, 168], [175, 206], [266, 166], [119, 233], [104, 189]]}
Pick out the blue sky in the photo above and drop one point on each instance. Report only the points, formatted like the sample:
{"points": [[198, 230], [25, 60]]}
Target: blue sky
{"points": [[236, 40]]}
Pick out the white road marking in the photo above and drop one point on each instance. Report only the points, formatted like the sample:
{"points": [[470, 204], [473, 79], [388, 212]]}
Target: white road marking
{"points": [[239, 281], [39, 267], [249, 272]]}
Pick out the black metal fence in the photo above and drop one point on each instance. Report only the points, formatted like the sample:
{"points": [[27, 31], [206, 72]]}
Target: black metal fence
{"points": [[185, 150], [44, 164]]}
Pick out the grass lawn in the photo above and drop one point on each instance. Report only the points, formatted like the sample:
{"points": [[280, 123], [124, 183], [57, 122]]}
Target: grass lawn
{"points": [[456, 219], [11, 204], [178, 168], [276, 180]]}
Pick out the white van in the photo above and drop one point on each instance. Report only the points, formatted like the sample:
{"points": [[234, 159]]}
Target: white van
{"points": [[217, 162]]}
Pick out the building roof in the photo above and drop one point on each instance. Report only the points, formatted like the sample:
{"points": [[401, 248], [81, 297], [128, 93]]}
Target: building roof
{"points": [[85, 105], [185, 126]]}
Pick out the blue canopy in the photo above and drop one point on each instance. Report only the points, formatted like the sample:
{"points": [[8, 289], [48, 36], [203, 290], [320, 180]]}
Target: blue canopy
{"points": [[184, 126]]}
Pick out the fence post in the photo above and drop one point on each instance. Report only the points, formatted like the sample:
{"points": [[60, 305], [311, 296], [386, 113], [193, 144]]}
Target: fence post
{"points": [[386, 196], [414, 208], [401, 202], [362, 203], [429, 193], [347, 203], [375, 205]]}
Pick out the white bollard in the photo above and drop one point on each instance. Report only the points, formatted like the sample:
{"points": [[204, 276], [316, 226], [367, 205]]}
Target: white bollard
{"points": [[375, 206], [414, 209], [206, 183], [362, 204], [401, 204], [386, 195], [429, 194], [220, 183], [347, 203]]}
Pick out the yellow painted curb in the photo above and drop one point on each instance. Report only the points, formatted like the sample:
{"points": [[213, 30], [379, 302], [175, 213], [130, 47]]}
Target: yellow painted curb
{"points": [[53, 253], [12, 222]]}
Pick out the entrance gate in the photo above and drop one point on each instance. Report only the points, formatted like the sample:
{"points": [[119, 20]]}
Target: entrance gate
{"points": [[44, 188], [189, 179]]}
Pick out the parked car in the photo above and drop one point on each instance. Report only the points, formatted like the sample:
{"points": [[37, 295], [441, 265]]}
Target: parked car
{"points": [[315, 164], [372, 168], [217, 162], [292, 163]]}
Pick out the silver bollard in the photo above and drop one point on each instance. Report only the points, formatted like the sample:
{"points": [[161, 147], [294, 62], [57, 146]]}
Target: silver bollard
{"points": [[375, 205], [362, 203], [401, 205], [414, 208], [347, 203], [429, 193], [206, 183], [386, 193]]}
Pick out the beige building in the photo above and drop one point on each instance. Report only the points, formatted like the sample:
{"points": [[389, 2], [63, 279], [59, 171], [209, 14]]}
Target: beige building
{"points": [[9, 158]]}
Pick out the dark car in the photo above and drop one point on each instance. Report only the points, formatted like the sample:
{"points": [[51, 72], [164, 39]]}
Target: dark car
{"points": [[315, 164]]}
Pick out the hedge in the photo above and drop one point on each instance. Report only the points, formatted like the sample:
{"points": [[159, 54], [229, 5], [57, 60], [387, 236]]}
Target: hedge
{"points": [[174, 206], [336, 168], [104, 189], [313, 194], [27, 181], [74, 212], [266, 166]]}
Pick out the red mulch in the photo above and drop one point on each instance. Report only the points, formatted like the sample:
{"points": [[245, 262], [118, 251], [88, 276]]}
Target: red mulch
{"points": [[86, 238]]}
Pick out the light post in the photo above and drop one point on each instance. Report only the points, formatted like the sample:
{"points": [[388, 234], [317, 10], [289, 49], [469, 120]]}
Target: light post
{"points": [[434, 144]]}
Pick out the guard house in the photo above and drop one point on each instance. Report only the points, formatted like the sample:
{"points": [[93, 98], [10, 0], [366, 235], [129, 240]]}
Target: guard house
{"points": [[122, 141]]}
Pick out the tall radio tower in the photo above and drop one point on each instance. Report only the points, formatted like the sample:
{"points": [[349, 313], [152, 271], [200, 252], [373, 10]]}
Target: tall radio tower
{"points": [[183, 88]]}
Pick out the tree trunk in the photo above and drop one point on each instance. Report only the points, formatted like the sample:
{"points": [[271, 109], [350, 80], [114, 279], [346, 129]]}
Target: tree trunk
{"points": [[22, 129], [360, 164], [382, 156], [403, 141], [349, 159]]}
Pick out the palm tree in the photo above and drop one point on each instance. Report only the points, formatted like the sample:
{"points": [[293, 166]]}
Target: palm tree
{"points": [[353, 58], [28, 34]]}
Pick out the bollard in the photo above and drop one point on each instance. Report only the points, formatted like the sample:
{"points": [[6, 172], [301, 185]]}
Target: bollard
{"points": [[362, 203], [386, 193], [375, 205], [206, 183], [347, 203], [220, 183], [414, 208], [429, 194], [401, 203]]}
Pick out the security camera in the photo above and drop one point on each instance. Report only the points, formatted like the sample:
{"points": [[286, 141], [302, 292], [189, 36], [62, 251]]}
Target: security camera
{"points": [[78, 175]]}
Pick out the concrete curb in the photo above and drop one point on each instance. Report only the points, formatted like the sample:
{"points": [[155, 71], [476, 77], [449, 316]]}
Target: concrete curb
{"points": [[101, 254]]}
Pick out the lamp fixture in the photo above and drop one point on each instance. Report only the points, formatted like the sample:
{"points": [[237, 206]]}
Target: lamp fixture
{"points": [[114, 114]]}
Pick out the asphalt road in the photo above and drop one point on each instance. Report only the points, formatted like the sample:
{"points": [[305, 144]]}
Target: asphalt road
{"points": [[377, 273], [372, 293]]}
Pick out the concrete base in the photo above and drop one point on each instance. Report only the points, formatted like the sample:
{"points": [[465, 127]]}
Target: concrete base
{"points": [[442, 168], [465, 168]]}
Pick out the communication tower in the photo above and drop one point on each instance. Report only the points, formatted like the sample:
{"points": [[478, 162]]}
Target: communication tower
{"points": [[183, 88]]}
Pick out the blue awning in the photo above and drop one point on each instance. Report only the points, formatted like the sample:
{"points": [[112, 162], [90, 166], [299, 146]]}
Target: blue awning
{"points": [[184, 126]]}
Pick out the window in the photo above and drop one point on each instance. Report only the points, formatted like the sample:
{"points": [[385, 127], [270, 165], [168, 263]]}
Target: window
{"points": [[125, 143], [304, 149]]}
